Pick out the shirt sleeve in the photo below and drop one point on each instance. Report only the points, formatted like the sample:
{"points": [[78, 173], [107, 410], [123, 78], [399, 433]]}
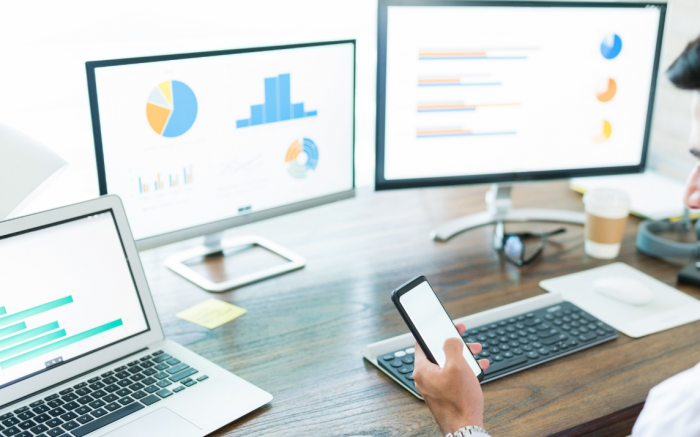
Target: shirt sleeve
{"points": [[671, 407]]}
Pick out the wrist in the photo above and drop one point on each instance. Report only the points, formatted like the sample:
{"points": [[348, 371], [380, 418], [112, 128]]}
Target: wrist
{"points": [[451, 426]]}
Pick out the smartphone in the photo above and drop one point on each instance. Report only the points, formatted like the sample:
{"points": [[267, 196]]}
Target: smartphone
{"points": [[428, 321]]}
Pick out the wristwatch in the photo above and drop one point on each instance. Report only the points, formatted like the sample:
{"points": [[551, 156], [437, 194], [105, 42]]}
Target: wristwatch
{"points": [[466, 431]]}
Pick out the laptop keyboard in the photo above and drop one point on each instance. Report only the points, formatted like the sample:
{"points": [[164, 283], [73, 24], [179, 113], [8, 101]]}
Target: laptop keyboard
{"points": [[102, 400], [519, 342]]}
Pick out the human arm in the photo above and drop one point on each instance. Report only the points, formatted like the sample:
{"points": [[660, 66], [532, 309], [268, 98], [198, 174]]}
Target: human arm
{"points": [[452, 393]]}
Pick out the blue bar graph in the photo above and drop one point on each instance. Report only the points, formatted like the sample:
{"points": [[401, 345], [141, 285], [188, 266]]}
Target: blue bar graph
{"points": [[7, 342], [12, 329], [277, 106], [31, 344]]}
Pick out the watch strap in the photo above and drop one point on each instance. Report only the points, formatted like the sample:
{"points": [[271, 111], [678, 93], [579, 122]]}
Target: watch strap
{"points": [[467, 431]]}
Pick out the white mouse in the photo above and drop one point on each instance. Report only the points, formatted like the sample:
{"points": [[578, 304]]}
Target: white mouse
{"points": [[624, 289]]}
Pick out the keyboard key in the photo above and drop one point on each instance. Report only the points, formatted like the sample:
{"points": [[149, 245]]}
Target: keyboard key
{"points": [[81, 385], [26, 415], [189, 372], [83, 391], [110, 398], [111, 388], [51, 398], [149, 372], [162, 366], [41, 418], [163, 375], [139, 394], [96, 386], [543, 351], [498, 358], [83, 410], [39, 429], [533, 355], [106, 420], [70, 425], [55, 403], [85, 400], [37, 403], [133, 363], [164, 383], [56, 432], [71, 405], [151, 389], [53, 423], [402, 370], [138, 377], [123, 392], [147, 357], [97, 404], [136, 369], [156, 353], [69, 416], [93, 380], [191, 383], [106, 374], [126, 401], [120, 369], [125, 383], [85, 419], [147, 364], [113, 406], [553, 339], [98, 394], [182, 366], [161, 358], [69, 397], [57, 412], [178, 389], [12, 431], [174, 361], [164, 393], [99, 413], [150, 400], [202, 378], [110, 380], [41, 409], [388, 357], [27, 424], [122, 375], [136, 387]]}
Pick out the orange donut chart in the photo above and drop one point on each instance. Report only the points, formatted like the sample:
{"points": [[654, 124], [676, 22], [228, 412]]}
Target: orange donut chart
{"points": [[608, 94], [605, 134]]}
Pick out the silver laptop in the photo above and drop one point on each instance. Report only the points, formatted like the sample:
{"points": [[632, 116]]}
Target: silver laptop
{"points": [[81, 349]]}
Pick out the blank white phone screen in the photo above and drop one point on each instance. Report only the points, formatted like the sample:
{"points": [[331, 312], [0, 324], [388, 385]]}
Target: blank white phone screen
{"points": [[432, 322]]}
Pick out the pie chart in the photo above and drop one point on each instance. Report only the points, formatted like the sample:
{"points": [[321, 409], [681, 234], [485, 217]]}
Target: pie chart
{"points": [[301, 159], [606, 90], [605, 134], [171, 109], [611, 46]]}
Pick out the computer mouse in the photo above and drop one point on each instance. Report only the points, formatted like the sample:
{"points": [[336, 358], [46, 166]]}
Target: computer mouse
{"points": [[624, 289]]}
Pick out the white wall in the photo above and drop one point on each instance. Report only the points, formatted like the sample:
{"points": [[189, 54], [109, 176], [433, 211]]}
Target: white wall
{"points": [[44, 45]]}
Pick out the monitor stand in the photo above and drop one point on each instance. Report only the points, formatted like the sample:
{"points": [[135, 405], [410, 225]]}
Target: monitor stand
{"points": [[499, 209], [215, 245]]}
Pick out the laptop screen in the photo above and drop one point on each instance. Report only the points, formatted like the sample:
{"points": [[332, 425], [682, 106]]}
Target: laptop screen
{"points": [[66, 290]]}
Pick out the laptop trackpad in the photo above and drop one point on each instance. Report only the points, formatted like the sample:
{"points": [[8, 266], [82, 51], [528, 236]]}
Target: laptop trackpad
{"points": [[160, 422]]}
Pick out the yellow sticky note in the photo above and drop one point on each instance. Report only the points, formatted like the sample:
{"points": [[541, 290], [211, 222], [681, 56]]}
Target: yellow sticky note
{"points": [[212, 313]]}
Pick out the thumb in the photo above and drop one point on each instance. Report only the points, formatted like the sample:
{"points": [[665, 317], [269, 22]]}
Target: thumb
{"points": [[454, 350]]}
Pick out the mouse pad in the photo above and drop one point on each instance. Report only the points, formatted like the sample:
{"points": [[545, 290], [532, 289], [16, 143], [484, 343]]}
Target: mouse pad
{"points": [[668, 308], [161, 422]]}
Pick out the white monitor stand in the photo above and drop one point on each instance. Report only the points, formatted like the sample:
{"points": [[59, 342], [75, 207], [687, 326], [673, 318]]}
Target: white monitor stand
{"points": [[499, 210], [215, 244]]}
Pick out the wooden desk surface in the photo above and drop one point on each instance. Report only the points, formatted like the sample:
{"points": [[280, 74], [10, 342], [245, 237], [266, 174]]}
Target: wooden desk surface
{"points": [[303, 336]]}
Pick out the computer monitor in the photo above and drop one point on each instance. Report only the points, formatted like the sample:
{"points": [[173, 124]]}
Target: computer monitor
{"points": [[197, 143], [498, 92]]}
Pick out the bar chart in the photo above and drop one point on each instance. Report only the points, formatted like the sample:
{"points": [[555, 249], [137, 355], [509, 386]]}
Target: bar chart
{"points": [[19, 344], [169, 180], [277, 106]]}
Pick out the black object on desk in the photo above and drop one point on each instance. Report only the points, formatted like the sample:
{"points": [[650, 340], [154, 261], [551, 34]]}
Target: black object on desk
{"points": [[520, 342], [690, 274]]}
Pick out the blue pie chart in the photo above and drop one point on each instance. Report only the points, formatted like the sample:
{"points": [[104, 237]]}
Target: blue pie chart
{"points": [[611, 46]]}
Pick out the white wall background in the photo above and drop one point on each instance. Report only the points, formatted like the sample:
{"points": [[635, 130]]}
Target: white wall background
{"points": [[44, 45]]}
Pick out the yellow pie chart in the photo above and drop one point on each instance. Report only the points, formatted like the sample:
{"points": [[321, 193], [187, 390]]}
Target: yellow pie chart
{"points": [[605, 134], [606, 91]]}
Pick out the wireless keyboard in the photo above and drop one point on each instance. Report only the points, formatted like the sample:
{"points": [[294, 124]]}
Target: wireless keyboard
{"points": [[517, 343]]}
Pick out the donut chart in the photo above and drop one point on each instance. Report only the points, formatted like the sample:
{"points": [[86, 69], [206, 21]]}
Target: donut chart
{"points": [[301, 158], [171, 108], [607, 91], [611, 46]]}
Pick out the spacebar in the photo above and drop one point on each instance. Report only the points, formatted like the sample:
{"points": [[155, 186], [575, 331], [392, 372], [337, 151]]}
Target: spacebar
{"points": [[106, 420], [497, 366]]}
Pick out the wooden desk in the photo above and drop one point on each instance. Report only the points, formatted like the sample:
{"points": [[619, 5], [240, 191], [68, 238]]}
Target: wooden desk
{"points": [[304, 333]]}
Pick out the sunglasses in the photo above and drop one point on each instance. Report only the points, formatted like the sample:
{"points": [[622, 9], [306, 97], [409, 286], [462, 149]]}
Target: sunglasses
{"points": [[518, 248]]}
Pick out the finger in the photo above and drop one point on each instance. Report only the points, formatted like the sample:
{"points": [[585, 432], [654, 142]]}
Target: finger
{"points": [[453, 350], [475, 347], [419, 357], [484, 364], [461, 328]]}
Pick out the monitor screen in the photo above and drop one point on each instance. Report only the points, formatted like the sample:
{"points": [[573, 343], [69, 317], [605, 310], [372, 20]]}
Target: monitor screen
{"points": [[191, 139], [475, 92], [67, 291]]}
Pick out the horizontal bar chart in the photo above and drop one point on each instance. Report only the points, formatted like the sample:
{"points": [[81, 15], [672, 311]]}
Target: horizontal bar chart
{"points": [[7, 342], [2, 311], [457, 133], [277, 106], [12, 329], [455, 81], [32, 344], [16, 317], [493, 53], [56, 345]]}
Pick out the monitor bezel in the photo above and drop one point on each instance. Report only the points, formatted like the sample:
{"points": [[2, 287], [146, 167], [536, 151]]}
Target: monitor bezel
{"points": [[230, 222], [381, 183]]}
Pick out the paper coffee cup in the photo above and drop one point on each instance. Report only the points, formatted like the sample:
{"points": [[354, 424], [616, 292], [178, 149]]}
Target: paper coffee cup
{"points": [[606, 214]]}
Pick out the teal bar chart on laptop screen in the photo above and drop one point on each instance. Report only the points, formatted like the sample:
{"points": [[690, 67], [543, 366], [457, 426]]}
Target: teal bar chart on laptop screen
{"points": [[70, 304]]}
